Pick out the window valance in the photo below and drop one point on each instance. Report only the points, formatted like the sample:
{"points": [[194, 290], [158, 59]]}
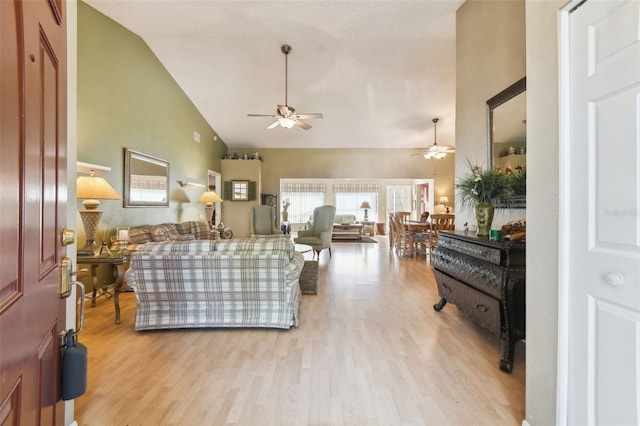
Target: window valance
{"points": [[356, 187], [303, 187]]}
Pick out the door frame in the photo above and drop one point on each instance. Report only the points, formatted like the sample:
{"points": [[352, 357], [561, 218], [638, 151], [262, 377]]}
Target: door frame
{"points": [[564, 236], [215, 178]]}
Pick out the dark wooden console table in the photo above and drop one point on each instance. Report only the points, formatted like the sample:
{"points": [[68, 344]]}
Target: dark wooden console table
{"points": [[486, 281]]}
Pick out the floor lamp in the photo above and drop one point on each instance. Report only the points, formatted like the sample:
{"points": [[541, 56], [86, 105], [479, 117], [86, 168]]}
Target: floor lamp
{"points": [[92, 188], [210, 197]]}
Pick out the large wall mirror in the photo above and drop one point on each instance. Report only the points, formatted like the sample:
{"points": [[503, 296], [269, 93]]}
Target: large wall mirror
{"points": [[507, 137], [146, 180]]}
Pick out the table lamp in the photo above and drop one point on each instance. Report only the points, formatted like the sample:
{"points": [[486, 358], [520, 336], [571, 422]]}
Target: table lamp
{"points": [[92, 188], [366, 206], [210, 197], [444, 201]]}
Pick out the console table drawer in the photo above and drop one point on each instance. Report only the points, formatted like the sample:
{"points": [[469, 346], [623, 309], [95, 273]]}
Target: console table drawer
{"points": [[483, 309], [490, 254], [484, 276]]}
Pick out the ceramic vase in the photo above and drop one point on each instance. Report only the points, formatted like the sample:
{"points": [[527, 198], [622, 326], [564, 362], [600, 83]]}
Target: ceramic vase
{"points": [[484, 217]]}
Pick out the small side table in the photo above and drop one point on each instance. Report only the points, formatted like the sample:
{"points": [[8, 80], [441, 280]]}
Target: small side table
{"points": [[117, 262], [368, 227]]}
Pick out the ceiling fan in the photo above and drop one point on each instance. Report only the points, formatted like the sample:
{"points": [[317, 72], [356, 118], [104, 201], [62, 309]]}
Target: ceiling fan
{"points": [[286, 115], [435, 151]]}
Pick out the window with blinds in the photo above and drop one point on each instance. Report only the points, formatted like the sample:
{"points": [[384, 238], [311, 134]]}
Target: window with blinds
{"points": [[350, 196], [302, 198]]}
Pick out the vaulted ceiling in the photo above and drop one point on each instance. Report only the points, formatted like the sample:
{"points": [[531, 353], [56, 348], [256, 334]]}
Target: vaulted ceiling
{"points": [[379, 71]]}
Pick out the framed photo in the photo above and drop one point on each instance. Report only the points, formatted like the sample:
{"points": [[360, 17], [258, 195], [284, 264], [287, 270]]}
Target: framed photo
{"points": [[239, 190]]}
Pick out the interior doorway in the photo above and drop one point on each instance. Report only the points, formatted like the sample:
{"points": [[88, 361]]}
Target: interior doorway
{"points": [[215, 184]]}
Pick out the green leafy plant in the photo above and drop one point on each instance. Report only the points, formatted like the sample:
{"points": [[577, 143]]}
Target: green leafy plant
{"points": [[518, 182], [482, 186]]}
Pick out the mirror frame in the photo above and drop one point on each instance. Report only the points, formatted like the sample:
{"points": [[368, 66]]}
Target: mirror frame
{"points": [[507, 94], [130, 155]]}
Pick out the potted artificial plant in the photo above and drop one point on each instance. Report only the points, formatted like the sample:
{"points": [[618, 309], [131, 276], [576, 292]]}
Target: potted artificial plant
{"points": [[478, 189]]}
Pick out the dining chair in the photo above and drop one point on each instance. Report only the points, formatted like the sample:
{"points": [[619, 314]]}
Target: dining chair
{"points": [[439, 222], [401, 237]]}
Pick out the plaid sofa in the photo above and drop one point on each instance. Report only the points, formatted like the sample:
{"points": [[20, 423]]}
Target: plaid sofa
{"points": [[250, 282]]}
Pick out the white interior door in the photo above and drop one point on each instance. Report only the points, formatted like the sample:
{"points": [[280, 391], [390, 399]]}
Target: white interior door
{"points": [[600, 223], [398, 198]]}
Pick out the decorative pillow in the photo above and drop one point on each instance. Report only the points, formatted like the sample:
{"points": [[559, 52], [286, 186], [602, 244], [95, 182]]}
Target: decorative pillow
{"points": [[159, 233], [200, 229], [140, 235], [168, 231], [183, 228]]}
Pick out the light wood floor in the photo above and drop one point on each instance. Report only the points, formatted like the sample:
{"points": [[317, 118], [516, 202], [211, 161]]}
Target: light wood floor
{"points": [[370, 350]]}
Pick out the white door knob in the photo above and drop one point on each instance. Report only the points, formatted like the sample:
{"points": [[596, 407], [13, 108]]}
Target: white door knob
{"points": [[614, 280]]}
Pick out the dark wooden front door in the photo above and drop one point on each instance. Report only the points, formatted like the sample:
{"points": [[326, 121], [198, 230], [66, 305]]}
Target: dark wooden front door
{"points": [[33, 193]]}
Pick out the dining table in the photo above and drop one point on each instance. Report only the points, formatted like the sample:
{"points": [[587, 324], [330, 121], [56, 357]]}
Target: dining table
{"points": [[413, 227]]}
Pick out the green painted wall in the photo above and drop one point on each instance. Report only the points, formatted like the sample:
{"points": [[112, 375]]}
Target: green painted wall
{"points": [[127, 99]]}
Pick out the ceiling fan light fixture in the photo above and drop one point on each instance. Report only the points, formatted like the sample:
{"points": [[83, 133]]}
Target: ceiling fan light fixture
{"points": [[287, 123], [435, 151], [286, 116], [434, 155]]}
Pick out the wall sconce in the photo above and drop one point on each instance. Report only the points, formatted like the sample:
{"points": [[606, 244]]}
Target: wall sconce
{"points": [[191, 184]]}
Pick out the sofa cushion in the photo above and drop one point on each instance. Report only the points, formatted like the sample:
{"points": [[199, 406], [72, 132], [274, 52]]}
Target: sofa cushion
{"points": [[193, 246], [200, 229], [140, 235], [171, 231], [344, 219], [258, 245]]}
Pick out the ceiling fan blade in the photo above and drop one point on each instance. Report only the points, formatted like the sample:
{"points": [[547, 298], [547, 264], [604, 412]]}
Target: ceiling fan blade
{"points": [[305, 115], [302, 125], [273, 125], [261, 115]]}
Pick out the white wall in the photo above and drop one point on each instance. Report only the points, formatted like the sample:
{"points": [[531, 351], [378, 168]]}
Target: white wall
{"points": [[542, 210], [490, 44]]}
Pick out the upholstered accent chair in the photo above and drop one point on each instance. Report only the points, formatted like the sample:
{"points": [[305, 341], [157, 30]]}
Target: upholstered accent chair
{"points": [[319, 236], [263, 221]]}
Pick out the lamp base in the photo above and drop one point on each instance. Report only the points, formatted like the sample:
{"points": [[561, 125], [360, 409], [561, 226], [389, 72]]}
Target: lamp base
{"points": [[89, 249]]}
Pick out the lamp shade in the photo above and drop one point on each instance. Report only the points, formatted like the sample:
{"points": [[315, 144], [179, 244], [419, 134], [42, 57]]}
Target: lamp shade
{"points": [[210, 197], [444, 200], [365, 205], [95, 187]]}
